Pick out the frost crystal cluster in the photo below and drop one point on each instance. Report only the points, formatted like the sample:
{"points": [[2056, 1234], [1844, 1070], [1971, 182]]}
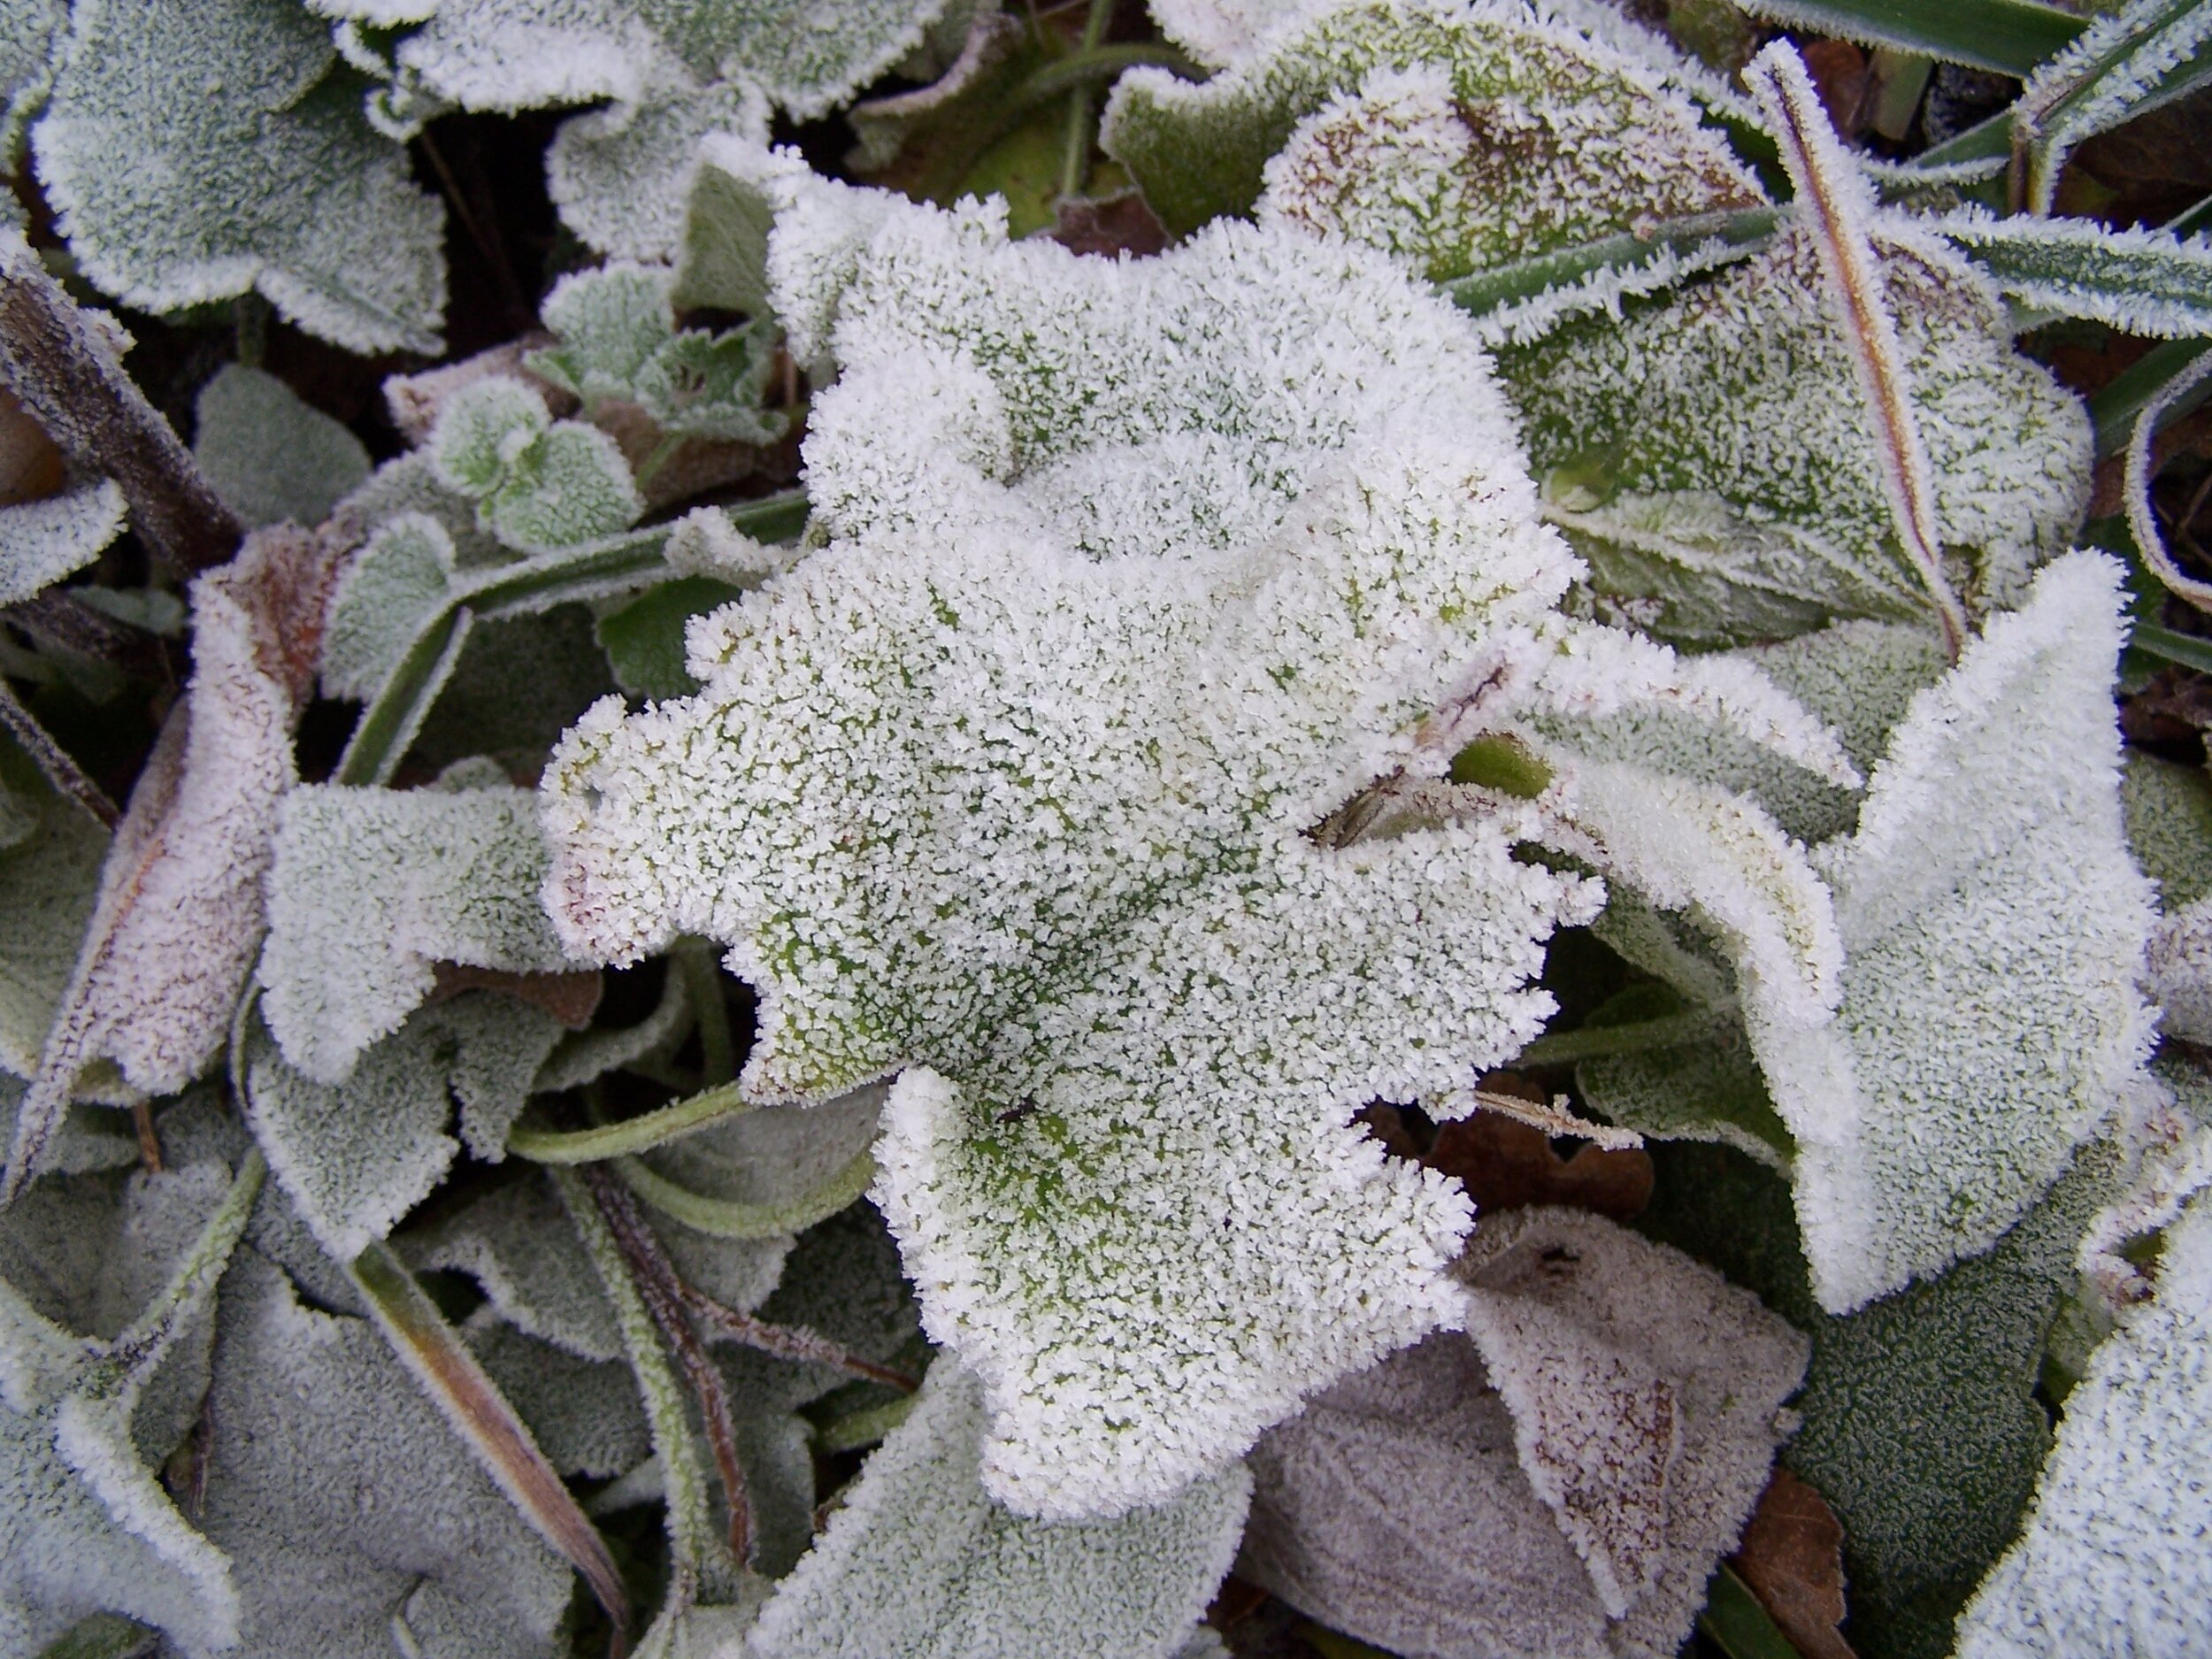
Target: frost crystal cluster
{"points": [[1167, 831]]}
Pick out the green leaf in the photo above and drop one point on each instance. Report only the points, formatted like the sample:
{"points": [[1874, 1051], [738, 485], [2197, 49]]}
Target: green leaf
{"points": [[2009, 37], [644, 640], [2125, 63], [2143, 281], [393, 587], [48, 880], [268, 177], [920, 1562], [270, 456], [539, 485]]}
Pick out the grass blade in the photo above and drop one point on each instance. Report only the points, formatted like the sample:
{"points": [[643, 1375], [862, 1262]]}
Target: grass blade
{"points": [[2009, 36]]}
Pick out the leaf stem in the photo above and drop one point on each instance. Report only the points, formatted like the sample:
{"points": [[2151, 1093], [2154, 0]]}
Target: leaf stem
{"points": [[1076, 151], [662, 1292], [791, 1341], [641, 1133], [1087, 68], [58, 765], [731, 1219]]}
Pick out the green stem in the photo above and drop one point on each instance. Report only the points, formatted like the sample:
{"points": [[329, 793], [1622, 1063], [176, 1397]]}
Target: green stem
{"points": [[1737, 1622], [1566, 1047], [641, 1133], [732, 1218], [856, 1428], [702, 984], [1088, 68], [1485, 291], [396, 712], [1076, 154]]}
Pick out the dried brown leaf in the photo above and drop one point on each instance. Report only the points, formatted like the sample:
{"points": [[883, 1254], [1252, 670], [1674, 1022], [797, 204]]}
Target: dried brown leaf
{"points": [[1792, 1557], [1505, 1164], [1110, 225], [571, 998]]}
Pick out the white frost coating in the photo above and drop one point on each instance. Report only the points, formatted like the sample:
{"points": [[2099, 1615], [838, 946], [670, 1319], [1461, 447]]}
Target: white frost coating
{"points": [[2125, 63], [196, 150], [1737, 398], [1993, 924], [2178, 972], [179, 917], [1010, 781], [921, 1563], [1217, 33], [621, 176], [1688, 846], [1409, 164], [389, 590], [539, 484], [372, 887], [1575, 104], [2143, 280], [2113, 1557], [41, 542]]}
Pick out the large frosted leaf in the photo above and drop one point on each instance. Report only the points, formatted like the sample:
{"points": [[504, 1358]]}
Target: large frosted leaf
{"points": [[356, 1156], [372, 888], [1561, 1483], [198, 150], [270, 454], [2113, 1557], [103, 1358], [179, 917], [919, 1563], [1712, 454], [29, 31], [1401, 122], [1993, 924], [354, 1520], [621, 176], [1209, 553]]}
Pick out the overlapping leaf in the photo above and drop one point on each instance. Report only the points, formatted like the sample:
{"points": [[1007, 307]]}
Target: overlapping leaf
{"points": [[270, 456], [201, 148]]}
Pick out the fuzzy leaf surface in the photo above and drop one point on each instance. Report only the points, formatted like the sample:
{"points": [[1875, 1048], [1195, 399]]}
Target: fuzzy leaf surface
{"points": [[270, 454], [198, 149]]}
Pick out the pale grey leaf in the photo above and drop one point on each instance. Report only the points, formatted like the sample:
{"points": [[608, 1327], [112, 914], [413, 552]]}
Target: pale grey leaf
{"points": [[270, 454], [584, 1413], [370, 888], [519, 1246], [921, 1564], [622, 176], [48, 880], [392, 587], [347, 1509]]}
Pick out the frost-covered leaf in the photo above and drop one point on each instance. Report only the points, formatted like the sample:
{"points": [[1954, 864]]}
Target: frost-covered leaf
{"points": [[371, 888], [2112, 1559], [519, 1245], [353, 1521], [105, 1338], [525, 54], [617, 327], [920, 1563], [179, 917], [673, 74], [390, 589], [1922, 1428], [270, 456], [1152, 549], [198, 150], [30, 30], [588, 1056], [769, 1172], [43, 540], [583, 1413], [621, 176], [1459, 135], [2146, 281], [48, 878], [2128, 62], [1562, 1482], [539, 484], [1989, 1017], [1713, 458], [2009, 37], [356, 1156]]}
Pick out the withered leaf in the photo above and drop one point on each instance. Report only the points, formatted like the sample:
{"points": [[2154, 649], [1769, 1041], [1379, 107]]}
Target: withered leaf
{"points": [[1509, 1166], [1792, 1557], [571, 998]]}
